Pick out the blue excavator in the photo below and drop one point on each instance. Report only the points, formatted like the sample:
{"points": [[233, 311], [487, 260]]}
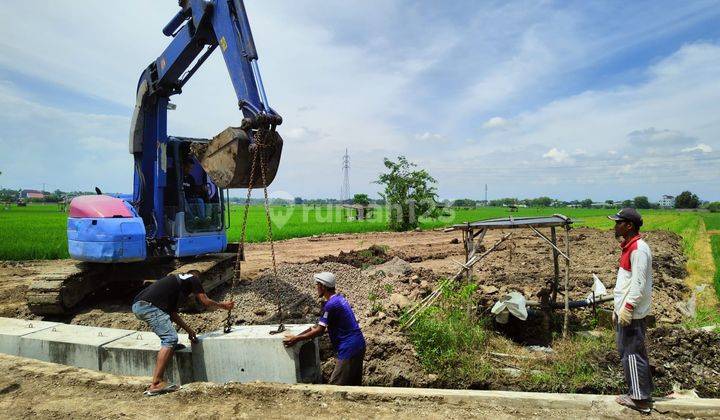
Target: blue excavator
{"points": [[177, 217]]}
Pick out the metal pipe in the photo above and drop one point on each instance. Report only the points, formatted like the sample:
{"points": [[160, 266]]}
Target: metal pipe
{"points": [[175, 22], [572, 304]]}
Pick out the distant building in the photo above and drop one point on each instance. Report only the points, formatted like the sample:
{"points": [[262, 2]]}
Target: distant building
{"points": [[667, 201], [31, 194]]}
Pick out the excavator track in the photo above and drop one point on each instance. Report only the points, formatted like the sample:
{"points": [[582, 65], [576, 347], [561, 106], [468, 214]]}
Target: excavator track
{"points": [[60, 291]]}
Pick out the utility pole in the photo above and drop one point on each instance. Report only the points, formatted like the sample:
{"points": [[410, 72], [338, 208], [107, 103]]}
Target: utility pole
{"points": [[345, 188], [486, 202]]}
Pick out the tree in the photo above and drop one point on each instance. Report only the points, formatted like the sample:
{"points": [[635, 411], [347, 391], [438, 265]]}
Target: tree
{"points": [[641, 202], [361, 199], [503, 202], [463, 202], [409, 192], [627, 203], [687, 200], [714, 207], [298, 200], [540, 202], [586, 203]]}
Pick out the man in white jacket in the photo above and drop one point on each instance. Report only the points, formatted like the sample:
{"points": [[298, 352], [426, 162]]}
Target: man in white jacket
{"points": [[633, 301]]}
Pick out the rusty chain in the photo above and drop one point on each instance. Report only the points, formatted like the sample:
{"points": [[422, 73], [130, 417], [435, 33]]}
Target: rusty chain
{"points": [[259, 150]]}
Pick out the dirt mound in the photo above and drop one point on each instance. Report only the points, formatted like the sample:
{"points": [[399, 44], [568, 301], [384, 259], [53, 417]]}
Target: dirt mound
{"points": [[363, 258], [690, 358], [390, 359], [680, 357]]}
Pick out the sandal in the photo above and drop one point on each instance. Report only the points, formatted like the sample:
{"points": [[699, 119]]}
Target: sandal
{"points": [[165, 390], [640, 406]]}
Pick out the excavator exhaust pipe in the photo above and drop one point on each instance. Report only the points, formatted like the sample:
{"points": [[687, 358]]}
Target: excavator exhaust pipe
{"points": [[227, 159]]}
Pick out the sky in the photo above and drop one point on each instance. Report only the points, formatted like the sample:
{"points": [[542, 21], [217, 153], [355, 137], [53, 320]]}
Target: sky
{"points": [[573, 100]]}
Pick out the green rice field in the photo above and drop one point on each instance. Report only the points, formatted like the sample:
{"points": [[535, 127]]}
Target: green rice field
{"points": [[38, 231], [715, 247]]}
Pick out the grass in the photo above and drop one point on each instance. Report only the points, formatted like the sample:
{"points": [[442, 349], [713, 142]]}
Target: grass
{"points": [[33, 232], [715, 243], [712, 221], [38, 231], [452, 344], [575, 366], [465, 352]]}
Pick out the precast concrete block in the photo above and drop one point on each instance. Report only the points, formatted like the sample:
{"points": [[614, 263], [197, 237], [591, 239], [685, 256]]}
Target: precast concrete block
{"points": [[73, 345], [251, 353], [136, 354], [12, 329]]}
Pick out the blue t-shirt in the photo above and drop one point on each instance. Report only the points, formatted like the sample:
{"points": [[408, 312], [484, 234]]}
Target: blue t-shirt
{"points": [[344, 331]]}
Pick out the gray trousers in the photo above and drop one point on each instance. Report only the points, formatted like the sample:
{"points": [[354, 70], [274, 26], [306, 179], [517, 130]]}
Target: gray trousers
{"points": [[630, 342], [348, 371]]}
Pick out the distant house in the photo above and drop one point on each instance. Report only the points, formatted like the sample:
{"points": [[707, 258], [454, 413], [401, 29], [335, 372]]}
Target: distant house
{"points": [[667, 201], [31, 194]]}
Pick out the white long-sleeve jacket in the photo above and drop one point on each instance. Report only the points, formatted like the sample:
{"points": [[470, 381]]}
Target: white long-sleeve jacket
{"points": [[634, 278]]}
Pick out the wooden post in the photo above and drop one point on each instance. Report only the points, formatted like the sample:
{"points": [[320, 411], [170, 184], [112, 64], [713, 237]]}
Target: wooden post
{"points": [[556, 265], [567, 280], [469, 245]]}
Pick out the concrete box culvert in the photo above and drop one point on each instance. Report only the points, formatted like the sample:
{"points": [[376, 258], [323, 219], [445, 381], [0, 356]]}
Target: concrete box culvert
{"points": [[136, 355], [12, 329], [72, 345], [250, 353]]}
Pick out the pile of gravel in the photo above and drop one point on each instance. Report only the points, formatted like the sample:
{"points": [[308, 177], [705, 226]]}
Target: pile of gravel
{"points": [[377, 295]]}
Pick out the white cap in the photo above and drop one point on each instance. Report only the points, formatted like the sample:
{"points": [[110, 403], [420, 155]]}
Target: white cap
{"points": [[325, 278]]}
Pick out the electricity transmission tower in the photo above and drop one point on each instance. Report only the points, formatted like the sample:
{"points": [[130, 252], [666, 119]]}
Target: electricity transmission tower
{"points": [[345, 188]]}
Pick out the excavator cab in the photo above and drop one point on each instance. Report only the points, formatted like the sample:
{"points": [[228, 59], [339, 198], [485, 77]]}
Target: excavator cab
{"points": [[193, 205]]}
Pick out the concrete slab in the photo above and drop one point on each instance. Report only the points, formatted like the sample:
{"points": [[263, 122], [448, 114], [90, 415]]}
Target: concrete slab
{"points": [[12, 329], [73, 345], [136, 354], [688, 408], [251, 353]]}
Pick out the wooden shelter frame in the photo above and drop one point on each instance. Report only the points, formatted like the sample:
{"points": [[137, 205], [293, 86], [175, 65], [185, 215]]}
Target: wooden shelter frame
{"points": [[473, 234]]}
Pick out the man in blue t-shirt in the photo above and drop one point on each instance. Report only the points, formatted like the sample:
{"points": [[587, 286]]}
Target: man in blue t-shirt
{"points": [[347, 339]]}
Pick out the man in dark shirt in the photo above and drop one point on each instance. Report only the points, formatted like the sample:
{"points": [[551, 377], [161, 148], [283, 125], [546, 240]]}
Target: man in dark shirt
{"points": [[345, 335], [157, 306], [195, 194]]}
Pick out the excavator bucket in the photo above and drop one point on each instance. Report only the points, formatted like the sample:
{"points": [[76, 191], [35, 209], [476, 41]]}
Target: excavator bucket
{"points": [[227, 159]]}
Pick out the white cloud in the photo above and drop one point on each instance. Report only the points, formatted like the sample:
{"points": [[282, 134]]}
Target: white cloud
{"points": [[495, 122], [634, 129], [559, 156], [702, 147], [428, 136], [63, 149]]}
